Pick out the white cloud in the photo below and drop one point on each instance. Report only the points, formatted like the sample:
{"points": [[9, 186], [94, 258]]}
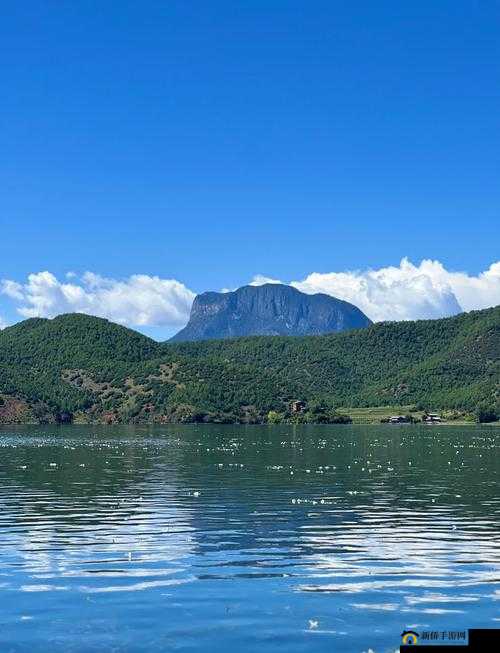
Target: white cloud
{"points": [[260, 280], [401, 292], [139, 300], [3, 323], [407, 292], [12, 289], [471, 292]]}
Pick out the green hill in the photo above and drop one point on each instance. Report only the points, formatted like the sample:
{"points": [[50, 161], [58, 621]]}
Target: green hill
{"points": [[100, 371]]}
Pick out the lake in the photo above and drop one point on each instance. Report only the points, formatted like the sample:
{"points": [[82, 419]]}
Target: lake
{"points": [[211, 538]]}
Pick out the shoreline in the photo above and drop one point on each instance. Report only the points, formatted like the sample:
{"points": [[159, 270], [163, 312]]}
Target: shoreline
{"points": [[233, 424]]}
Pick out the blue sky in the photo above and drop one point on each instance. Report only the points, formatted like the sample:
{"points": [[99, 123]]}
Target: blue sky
{"points": [[208, 142]]}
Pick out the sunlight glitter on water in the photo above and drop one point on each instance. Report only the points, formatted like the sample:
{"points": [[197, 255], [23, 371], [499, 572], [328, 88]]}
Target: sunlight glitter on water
{"points": [[197, 538]]}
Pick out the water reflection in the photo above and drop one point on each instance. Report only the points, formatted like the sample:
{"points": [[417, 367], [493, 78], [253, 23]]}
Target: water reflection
{"points": [[138, 538]]}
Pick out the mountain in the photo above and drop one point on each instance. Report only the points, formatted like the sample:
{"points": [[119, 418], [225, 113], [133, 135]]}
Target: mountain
{"points": [[97, 371], [268, 310]]}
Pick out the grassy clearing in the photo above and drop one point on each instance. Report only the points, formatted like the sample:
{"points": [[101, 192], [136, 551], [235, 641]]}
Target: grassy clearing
{"points": [[373, 415]]}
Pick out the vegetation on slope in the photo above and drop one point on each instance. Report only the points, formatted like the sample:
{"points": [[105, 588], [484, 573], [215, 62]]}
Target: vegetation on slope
{"points": [[103, 372]]}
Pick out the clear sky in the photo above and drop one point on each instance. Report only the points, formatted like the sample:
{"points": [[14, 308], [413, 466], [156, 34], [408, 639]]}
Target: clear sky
{"points": [[208, 142]]}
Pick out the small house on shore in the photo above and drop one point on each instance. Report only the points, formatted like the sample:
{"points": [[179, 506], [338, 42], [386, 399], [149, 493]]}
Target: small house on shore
{"points": [[431, 418], [297, 406], [398, 419]]}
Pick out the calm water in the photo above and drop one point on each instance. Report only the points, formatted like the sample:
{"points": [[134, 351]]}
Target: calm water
{"points": [[245, 538]]}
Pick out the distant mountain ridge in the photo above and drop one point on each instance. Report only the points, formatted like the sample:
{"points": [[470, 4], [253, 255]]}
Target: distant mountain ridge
{"points": [[268, 310]]}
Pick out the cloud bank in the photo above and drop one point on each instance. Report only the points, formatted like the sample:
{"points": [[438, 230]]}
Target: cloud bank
{"points": [[404, 292], [140, 300]]}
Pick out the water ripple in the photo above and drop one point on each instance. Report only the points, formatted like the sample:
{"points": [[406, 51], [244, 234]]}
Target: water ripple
{"points": [[138, 538]]}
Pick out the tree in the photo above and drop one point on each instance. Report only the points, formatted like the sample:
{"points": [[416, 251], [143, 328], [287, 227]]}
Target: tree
{"points": [[486, 414], [273, 417]]}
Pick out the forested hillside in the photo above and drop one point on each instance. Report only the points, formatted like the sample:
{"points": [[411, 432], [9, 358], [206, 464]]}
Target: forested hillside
{"points": [[88, 369]]}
